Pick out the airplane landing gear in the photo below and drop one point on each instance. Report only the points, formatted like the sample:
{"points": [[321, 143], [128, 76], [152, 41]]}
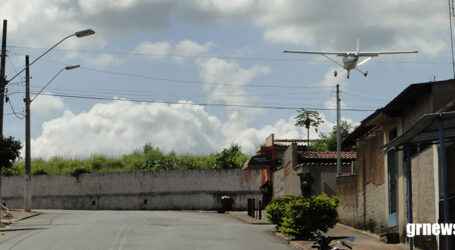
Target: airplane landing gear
{"points": [[335, 73], [365, 73]]}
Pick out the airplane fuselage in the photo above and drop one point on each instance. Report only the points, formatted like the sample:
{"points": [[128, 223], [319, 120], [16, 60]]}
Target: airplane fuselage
{"points": [[350, 61]]}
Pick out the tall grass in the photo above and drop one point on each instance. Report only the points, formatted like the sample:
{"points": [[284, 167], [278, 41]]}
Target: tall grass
{"points": [[149, 158]]}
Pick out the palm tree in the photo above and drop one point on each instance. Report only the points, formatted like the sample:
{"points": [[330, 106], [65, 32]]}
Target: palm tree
{"points": [[307, 119]]}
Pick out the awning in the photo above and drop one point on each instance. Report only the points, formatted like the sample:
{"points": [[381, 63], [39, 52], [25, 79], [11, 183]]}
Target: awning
{"points": [[257, 162], [426, 130], [435, 128]]}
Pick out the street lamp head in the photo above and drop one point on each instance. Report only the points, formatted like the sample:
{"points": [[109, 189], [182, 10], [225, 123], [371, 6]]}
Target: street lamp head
{"points": [[83, 33], [72, 67]]}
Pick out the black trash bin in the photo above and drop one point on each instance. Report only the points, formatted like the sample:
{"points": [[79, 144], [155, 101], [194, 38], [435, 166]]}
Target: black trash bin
{"points": [[226, 203]]}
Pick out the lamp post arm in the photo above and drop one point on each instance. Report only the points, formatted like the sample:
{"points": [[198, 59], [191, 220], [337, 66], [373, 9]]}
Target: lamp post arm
{"points": [[47, 84], [47, 51]]}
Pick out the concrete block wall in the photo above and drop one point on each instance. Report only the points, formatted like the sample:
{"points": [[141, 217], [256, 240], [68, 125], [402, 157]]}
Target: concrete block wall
{"points": [[185, 189]]}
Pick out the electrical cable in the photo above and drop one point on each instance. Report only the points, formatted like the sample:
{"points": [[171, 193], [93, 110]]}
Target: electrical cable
{"points": [[208, 57], [14, 112]]}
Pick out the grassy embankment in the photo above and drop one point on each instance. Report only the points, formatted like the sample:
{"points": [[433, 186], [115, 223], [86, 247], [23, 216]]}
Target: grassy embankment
{"points": [[147, 159]]}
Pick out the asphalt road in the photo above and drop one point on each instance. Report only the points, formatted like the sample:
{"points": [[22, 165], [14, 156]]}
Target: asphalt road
{"points": [[64, 229]]}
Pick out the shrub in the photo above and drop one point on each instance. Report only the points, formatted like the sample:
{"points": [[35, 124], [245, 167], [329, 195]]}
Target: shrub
{"points": [[40, 172], [79, 171], [303, 217], [276, 208]]}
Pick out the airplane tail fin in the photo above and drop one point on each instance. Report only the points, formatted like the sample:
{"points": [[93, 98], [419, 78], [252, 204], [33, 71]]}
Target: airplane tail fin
{"points": [[358, 44]]}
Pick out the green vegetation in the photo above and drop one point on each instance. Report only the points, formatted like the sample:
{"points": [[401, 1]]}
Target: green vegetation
{"points": [[9, 152], [148, 158], [328, 141], [277, 207], [307, 119], [301, 217]]}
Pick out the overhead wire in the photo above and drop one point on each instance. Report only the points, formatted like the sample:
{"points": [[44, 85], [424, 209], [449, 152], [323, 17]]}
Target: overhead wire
{"points": [[275, 85], [198, 104], [208, 56]]}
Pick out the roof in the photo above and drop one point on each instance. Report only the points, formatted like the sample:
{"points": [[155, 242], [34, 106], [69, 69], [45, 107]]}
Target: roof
{"points": [[393, 109], [314, 158], [287, 142], [426, 130]]}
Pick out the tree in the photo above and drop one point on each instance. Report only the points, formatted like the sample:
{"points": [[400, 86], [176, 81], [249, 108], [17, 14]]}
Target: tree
{"points": [[231, 157], [307, 119], [9, 153], [328, 141]]}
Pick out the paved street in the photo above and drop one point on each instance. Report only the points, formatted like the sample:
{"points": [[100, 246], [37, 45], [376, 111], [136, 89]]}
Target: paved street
{"points": [[57, 229]]}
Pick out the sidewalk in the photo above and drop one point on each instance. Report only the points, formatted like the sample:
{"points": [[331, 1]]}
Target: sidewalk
{"points": [[13, 216], [363, 240]]}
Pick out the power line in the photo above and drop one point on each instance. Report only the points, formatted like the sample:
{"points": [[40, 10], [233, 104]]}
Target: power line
{"points": [[190, 81], [201, 104], [209, 57]]}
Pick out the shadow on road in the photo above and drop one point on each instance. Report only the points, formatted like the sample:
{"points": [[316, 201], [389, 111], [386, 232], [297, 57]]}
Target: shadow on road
{"points": [[21, 229]]}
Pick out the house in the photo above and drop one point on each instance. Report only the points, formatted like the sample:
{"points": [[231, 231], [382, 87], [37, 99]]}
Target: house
{"points": [[396, 185], [289, 164]]}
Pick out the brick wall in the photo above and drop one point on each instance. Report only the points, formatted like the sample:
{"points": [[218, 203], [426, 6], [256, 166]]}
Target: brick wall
{"points": [[346, 190], [371, 185]]}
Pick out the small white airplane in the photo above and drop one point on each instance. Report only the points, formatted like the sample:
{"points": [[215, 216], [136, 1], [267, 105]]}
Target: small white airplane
{"points": [[350, 58]]}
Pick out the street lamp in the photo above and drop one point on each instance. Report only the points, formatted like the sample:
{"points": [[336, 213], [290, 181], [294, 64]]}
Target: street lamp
{"points": [[79, 34], [4, 82], [28, 160]]}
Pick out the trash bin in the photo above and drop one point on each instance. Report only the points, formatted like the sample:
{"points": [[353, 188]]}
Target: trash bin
{"points": [[226, 204]]}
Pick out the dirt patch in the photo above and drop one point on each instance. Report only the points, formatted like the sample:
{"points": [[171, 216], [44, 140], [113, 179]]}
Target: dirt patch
{"points": [[14, 215]]}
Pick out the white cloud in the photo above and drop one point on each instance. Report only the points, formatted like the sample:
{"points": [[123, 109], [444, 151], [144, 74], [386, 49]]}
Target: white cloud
{"points": [[224, 80], [120, 127], [154, 50], [386, 25], [44, 105], [190, 48]]}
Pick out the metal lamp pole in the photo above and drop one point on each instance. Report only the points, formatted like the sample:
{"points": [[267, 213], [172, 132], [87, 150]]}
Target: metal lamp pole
{"points": [[28, 174], [4, 82]]}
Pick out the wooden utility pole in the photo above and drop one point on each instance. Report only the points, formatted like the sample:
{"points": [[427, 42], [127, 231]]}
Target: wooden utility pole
{"points": [[28, 175], [338, 131], [2, 76]]}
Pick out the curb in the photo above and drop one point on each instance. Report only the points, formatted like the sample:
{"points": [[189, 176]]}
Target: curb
{"points": [[29, 216], [249, 221], [286, 240], [360, 231]]}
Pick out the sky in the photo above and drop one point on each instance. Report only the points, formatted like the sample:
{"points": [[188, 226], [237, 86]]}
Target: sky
{"points": [[196, 76]]}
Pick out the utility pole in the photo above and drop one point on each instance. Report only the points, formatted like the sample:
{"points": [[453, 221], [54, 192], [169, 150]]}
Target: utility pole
{"points": [[338, 131], [28, 175], [2, 76]]}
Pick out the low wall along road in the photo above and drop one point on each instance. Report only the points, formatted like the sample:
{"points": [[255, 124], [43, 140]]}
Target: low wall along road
{"points": [[175, 189]]}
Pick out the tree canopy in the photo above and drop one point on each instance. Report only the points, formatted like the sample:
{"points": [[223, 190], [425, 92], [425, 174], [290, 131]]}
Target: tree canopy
{"points": [[328, 141], [231, 157], [307, 119], [9, 151], [9, 154]]}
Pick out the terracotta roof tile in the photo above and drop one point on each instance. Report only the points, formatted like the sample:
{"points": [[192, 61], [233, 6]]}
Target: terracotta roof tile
{"points": [[326, 155], [313, 158]]}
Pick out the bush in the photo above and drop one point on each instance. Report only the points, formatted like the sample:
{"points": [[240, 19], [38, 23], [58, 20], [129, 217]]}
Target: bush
{"points": [[40, 172], [276, 208], [303, 217], [79, 171]]}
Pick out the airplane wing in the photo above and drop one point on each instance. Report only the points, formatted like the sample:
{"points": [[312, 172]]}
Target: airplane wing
{"points": [[370, 54], [316, 52]]}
